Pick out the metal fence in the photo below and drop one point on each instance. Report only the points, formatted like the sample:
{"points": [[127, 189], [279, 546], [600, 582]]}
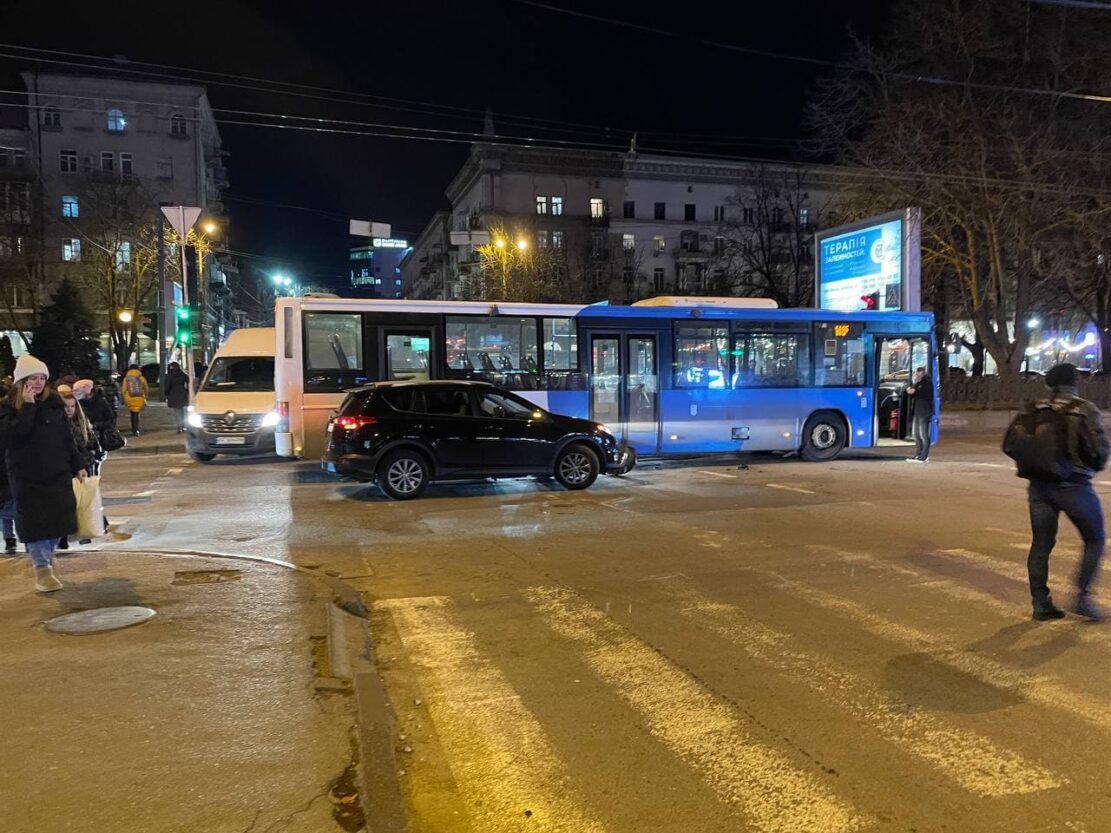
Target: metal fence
{"points": [[993, 393]]}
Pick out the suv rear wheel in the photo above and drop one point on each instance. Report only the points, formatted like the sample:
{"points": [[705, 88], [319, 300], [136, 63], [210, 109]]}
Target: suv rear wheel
{"points": [[403, 474], [576, 467]]}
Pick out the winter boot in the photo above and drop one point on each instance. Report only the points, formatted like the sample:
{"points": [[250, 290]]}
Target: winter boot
{"points": [[9, 546], [46, 581]]}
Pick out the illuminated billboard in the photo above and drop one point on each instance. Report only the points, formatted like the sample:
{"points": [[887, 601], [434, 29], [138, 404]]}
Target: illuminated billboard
{"points": [[873, 264]]}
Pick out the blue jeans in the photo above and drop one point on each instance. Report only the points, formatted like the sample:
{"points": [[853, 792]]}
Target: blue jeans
{"points": [[1081, 506], [922, 436], [7, 518], [42, 552]]}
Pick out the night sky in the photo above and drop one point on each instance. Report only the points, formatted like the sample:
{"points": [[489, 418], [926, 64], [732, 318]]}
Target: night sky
{"points": [[599, 81]]}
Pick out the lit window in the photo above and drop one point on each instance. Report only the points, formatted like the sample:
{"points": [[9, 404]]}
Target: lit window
{"points": [[177, 125], [51, 118], [557, 206], [804, 217], [557, 239], [542, 239], [597, 207], [71, 250], [116, 121], [165, 167], [659, 243], [123, 256], [67, 161], [107, 161], [125, 164], [70, 208], [628, 242], [541, 205]]}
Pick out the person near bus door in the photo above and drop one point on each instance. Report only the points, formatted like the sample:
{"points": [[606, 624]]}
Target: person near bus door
{"points": [[920, 396]]}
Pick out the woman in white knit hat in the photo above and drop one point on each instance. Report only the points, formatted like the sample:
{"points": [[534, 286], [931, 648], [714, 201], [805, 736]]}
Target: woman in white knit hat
{"points": [[42, 460]]}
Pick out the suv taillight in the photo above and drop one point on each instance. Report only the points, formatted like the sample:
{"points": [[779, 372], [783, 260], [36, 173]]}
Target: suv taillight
{"points": [[282, 410], [354, 423]]}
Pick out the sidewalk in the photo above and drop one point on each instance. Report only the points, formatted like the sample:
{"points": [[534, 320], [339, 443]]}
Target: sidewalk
{"points": [[156, 426], [207, 717]]}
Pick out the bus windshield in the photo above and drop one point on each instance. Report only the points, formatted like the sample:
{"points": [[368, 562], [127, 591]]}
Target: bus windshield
{"points": [[246, 373]]}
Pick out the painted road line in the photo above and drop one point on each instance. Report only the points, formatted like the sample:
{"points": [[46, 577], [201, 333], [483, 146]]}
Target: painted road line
{"points": [[499, 755], [1039, 689], [775, 795], [717, 474], [972, 761], [790, 488], [1008, 569]]}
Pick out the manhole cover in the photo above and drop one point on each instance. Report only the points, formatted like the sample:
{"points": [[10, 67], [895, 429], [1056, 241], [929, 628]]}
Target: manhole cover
{"points": [[100, 619]]}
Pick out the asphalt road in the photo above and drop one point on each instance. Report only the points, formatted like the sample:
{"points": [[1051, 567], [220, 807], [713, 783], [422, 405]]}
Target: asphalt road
{"points": [[696, 647]]}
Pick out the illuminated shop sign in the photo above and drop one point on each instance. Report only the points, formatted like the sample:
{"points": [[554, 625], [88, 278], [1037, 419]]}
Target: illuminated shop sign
{"points": [[872, 265]]}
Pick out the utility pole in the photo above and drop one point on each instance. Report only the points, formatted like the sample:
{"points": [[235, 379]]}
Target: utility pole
{"points": [[182, 219]]}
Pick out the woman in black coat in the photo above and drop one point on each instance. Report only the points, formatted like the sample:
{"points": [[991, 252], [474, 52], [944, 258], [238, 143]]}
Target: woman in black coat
{"points": [[42, 461], [176, 389]]}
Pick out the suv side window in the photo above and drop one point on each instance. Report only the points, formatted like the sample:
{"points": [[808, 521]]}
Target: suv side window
{"points": [[448, 402], [406, 400], [501, 406]]}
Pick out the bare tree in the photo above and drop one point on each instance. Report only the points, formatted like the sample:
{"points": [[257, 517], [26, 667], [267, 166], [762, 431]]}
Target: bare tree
{"points": [[940, 117], [766, 247], [26, 288]]}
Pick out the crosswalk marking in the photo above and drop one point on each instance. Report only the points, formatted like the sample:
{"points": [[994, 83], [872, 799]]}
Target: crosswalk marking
{"points": [[498, 752], [784, 488], [703, 731], [973, 761], [1035, 688]]}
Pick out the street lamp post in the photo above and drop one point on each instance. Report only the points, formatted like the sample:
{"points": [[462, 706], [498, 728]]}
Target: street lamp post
{"points": [[182, 218]]}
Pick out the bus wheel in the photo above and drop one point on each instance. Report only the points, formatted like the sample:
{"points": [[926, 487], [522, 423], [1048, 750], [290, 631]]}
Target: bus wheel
{"points": [[823, 438]]}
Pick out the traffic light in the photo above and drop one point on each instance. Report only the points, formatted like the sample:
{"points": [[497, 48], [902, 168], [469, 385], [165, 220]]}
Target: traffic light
{"points": [[183, 317], [150, 326], [871, 301]]}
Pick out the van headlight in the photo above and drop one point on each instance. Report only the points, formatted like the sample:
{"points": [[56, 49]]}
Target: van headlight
{"points": [[194, 419], [271, 419]]}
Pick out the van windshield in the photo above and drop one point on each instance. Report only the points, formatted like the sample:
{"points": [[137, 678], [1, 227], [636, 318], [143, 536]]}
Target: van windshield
{"points": [[247, 373]]}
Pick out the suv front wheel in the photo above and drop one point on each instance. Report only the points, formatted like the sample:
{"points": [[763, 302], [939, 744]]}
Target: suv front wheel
{"points": [[576, 467], [403, 474]]}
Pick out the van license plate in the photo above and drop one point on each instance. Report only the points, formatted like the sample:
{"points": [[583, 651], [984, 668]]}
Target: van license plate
{"points": [[231, 441]]}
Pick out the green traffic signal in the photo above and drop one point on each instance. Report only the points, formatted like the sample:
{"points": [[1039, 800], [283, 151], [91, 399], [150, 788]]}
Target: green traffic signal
{"points": [[184, 334]]}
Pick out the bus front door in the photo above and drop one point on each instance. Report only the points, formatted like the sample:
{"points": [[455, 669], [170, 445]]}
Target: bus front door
{"points": [[624, 388], [896, 360]]}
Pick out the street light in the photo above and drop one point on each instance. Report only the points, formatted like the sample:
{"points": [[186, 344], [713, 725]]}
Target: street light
{"points": [[522, 244], [1033, 322], [126, 316], [500, 243], [210, 228]]}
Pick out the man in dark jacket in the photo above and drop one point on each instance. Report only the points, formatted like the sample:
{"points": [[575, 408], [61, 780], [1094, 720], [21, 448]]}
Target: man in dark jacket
{"points": [[921, 399], [1088, 451], [176, 390]]}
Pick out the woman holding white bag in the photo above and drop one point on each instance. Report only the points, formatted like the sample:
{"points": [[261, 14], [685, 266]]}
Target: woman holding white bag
{"points": [[42, 461], [88, 449]]}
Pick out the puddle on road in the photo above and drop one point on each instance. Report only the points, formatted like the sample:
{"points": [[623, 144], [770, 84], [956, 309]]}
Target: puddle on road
{"points": [[206, 576]]}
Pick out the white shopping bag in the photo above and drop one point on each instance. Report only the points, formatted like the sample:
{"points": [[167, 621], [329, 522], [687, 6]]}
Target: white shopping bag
{"points": [[90, 507]]}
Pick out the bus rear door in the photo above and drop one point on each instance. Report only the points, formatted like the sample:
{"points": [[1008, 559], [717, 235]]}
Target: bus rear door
{"points": [[624, 387]]}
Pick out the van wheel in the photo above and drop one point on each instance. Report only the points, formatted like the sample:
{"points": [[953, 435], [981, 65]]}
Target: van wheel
{"points": [[403, 475], [201, 457], [576, 467], [823, 438]]}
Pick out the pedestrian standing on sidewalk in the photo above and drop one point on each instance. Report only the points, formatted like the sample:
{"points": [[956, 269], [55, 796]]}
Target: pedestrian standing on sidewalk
{"points": [[135, 393], [176, 390], [42, 461], [1059, 443], [920, 396]]}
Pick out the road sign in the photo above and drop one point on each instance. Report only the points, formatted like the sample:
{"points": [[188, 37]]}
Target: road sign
{"points": [[181, 218], [369, 228]]}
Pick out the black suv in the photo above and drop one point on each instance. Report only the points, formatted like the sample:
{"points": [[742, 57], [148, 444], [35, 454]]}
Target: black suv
{"points": [[408, 434]]}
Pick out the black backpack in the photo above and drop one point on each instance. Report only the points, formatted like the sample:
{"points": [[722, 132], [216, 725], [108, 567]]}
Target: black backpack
{"points": [[1038, 440]]}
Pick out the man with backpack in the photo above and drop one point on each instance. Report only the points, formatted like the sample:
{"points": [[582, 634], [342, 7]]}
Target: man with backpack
{"points": [[1058, 444]]}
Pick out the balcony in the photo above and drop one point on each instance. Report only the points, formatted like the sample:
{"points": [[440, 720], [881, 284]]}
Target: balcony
{"points": [[599, 222]]}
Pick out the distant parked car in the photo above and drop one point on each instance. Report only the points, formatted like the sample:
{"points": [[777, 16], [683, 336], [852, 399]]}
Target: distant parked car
{"points": [[406, 435]]}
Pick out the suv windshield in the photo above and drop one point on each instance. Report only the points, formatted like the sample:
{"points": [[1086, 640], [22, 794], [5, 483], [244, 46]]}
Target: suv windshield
{"points": [[248, 373]]}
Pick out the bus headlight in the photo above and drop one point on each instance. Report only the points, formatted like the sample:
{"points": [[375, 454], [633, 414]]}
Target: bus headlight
{"points": [[271, 419]]}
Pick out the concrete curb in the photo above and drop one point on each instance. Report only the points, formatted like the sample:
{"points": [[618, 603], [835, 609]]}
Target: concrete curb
{"points": [[352, 667]]}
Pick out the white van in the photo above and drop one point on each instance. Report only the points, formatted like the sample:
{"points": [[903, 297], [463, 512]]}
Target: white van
{"points": [[234, 409]]}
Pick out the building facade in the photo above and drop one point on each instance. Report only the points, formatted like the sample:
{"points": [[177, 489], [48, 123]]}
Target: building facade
{"points": [[97, 145], [376, 269], [627, 225]]}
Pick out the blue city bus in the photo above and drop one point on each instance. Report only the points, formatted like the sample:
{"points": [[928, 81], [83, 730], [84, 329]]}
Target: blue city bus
{"points": [[668, 376]]}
